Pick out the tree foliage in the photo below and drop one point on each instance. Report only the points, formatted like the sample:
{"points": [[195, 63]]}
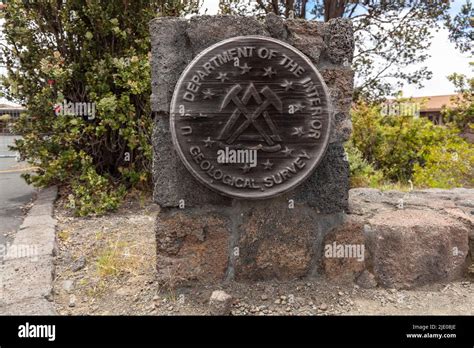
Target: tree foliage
{"points": [[461, 112], [92, 51], [446, 166], [460, 27], [176, 8], [390, 36]]}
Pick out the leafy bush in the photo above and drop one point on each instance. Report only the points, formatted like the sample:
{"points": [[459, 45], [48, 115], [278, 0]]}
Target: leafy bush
{"points": [[362, 173], [400, 146], [461, 112], [447, 166], [93, 193], [98, 54]]}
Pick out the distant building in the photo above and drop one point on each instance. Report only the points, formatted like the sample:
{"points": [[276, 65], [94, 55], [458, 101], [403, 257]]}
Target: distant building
{"points": [[431, 106], [10, 113]]}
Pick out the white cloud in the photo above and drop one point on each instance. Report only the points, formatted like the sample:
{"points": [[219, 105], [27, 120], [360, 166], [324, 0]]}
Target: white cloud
{"points": [[445, 59], [210, 7]]}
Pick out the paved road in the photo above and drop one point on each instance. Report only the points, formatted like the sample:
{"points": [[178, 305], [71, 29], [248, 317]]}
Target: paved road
{"points": [[14, 194], [5, 141]]}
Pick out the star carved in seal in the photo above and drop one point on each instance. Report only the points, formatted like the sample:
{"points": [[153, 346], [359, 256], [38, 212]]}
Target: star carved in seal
{"points": [[269, 71], [299, 107], [298, 131], [287, 85], [245, 69], [208, 142], [246, 168], [208, 93], [287, 151], [222, 76], [268, 165]]}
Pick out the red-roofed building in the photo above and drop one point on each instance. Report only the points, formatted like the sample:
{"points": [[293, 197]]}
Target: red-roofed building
{"points": [[431, 106]]}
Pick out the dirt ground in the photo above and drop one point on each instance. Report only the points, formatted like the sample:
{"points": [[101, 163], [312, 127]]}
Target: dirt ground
{"points": [[105, 266]]}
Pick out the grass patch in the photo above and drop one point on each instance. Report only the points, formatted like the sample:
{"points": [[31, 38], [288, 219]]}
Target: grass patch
{"points": [[64, 235], [119, 257]]}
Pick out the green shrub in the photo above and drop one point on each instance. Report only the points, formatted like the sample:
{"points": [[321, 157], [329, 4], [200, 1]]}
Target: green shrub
{"points": [[447, 166], [93, 194], [362, 173], [400, 145], [98, 54]]}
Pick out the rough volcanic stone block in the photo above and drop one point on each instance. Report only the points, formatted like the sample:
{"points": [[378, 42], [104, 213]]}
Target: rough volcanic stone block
{"points": [[342, 126], [277, 28], [349, 237], [327, 189], [339, 38], [205, 31], [411, 247], [308, 37], [171, 53], [272, 240], [340, 81], [172, 181], [192, 246], [277, 242]]}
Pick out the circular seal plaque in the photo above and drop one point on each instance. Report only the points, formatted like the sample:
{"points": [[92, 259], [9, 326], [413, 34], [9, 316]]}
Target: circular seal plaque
{"points": [[250, 117]]}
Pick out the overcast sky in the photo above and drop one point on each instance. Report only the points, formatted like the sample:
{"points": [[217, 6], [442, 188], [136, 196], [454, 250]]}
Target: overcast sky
{"points": [[445, 59]]}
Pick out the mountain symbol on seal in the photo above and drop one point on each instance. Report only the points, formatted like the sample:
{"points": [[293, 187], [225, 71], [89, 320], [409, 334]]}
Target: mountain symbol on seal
{"points": [[251, 123]]}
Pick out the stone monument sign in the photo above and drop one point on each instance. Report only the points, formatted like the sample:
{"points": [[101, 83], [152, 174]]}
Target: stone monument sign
{"points": [[249, 167]]}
